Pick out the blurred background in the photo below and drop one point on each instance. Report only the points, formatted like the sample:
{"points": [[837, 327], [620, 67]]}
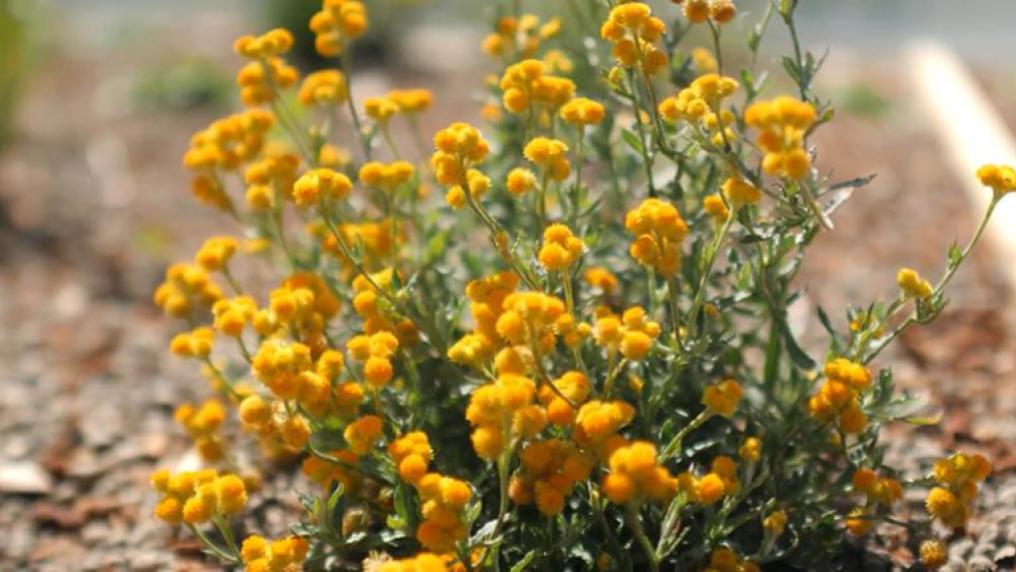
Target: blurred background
{"points": [[98, 99]]}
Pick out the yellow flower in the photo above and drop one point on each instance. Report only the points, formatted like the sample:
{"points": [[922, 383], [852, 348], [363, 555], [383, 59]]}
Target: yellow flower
{"points": [[933, 554], [423, 562], [458, 147], [380, 109], [196, 343], [549, 471], [858, 522], [503, 411], [444, 499], [659, 231], [775, 523], [635, 474], [203, 424], [716, 208], [216, 252], [782, 124], [582, 111], [704, 60], [410, 101], [750, 449], [722, 398], [551, 155], [386, 177], [324, 87], [520, 181], [363, 433], [1001, 178], [634, 32], [229, 142], [260, 81], [912, 285], [602, 278], [525, 86], [320, 185], [561, 249], [270, 44], [740, 192], [336, 23], [284, 554], [696, 11], [187, 288]]}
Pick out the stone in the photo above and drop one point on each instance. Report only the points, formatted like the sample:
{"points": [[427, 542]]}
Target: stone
{"points": [[24, 477]]}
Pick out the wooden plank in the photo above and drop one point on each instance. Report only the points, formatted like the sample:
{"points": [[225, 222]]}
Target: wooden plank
{"points": [[971, 132]]}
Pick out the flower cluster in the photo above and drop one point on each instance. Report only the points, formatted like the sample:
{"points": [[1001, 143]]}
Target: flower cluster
{"points": [[550, 470], [444, 499], [202, 424], [634, 33], [957, 477], [338, 22], [520, 37], [635, 474], [503, 411], [561, 249], [324, 87], [285, 554], [838, 399], [527, 88], [783, 124], [196, 497], [187, 288], [659, 231], [632, 333], [699, 11]]}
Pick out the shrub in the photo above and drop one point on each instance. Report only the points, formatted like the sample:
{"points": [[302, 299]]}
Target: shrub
{"points": [[613, 382]]}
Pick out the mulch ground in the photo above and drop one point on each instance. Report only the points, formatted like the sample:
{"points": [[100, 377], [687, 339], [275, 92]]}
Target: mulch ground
{"points": [[93, 204]]}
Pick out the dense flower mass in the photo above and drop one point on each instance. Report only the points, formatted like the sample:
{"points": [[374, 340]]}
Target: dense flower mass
{"points": [[583, 356]]}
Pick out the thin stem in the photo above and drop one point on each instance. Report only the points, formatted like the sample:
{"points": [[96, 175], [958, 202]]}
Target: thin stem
{"points": [[387, 135], [643, 143], [715, 30], [631, 517], [577, 189], [707, 271], [674, 446], [230, 280], [346, 64], [569, 297]]}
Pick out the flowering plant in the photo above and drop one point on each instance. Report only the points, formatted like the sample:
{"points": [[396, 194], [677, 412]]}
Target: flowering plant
{"points": [[618, 388]]}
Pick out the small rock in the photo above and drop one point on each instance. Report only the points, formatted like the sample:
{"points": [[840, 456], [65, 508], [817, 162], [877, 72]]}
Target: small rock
{"points": [[961, 548], [1005, 553], [24, 477], [980, 564], [51, 514]]}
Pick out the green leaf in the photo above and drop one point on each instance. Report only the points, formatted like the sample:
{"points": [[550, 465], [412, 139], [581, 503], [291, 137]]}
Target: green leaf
{"points": [[954, 255], [526, 561], [792, 70], [772, 363], [800, 358], [632, 140]]}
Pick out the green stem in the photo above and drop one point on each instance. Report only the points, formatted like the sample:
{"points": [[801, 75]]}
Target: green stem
{"points": [[631, 517], [674, 446], [714, 249], [347, 67]]}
